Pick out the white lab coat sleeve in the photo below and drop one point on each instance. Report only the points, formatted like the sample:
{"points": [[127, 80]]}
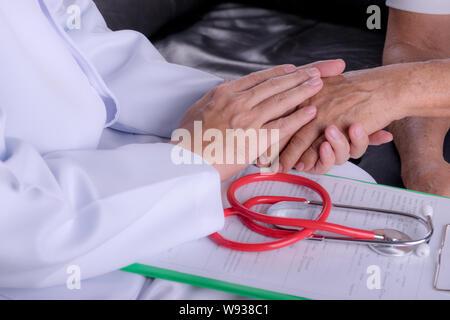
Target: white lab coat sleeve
{"points": [[152, 95], [97, 210]]}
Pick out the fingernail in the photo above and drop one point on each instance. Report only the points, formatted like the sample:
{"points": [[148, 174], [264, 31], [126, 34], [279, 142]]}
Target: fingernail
{"points": [[313, 72], [314, 81], [300, 166], [290, 68], [334, 133], [310, 110]]}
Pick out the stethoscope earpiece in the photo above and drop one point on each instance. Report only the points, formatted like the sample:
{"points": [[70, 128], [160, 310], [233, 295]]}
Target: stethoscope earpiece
{"points": [[422, 250], [427, 211]]}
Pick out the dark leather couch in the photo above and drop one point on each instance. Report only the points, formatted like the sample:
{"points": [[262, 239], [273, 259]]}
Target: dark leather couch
{"points": [[231, 39]]}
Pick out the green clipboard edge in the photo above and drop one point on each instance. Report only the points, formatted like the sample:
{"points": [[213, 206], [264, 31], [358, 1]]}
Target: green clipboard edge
{"points": [[383, 185], [229, 287], [209, 283]]}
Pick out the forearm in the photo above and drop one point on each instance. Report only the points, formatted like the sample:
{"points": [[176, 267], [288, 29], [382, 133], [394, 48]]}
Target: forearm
{"points": [[428, 133], [428, 80], [426, 89]]}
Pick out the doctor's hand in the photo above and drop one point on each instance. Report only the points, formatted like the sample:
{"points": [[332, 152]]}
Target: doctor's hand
{"points": [[352, 107], [266, 99]]}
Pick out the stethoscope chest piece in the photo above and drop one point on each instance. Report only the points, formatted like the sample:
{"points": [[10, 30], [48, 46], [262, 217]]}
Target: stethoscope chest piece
{"points": [[388, 241], [392, 236]]}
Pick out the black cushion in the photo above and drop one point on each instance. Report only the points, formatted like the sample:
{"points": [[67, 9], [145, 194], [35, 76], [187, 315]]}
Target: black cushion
{"points": [[234, 39], [344, 12], [147, 16]]}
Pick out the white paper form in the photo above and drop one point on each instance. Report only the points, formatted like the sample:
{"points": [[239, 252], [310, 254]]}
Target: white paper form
{"points": [[323, 270]]}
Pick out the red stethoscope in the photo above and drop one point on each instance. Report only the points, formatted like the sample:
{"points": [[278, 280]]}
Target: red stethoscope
{"points": [[384, 241]]}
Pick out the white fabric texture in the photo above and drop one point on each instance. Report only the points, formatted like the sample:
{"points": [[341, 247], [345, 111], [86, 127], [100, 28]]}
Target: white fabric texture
{"points": [[63, 201], [421, 6]]}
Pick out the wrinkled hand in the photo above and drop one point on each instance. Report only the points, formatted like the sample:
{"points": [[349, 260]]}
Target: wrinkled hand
{"points": [[352, 109], [262, 100]]}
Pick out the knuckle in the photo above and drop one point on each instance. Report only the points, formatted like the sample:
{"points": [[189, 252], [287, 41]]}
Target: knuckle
{"points": [[221, 90], [235, 121], [282, 123], [306, 90], [251, 94], [210, 106], [239, 121], [290, 154], [310, 157], [272, 82], [239, 101], [302, 74], [298, 141], [276, 71], [254, 77], [278, 98]]}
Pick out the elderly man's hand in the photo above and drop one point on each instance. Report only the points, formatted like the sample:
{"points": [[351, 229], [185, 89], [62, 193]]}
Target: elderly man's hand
{"points": [[354, 106]]}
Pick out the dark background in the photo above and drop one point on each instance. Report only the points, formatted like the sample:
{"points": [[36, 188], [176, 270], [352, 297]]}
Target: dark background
{"points": [[234, 38], [231, 39]]}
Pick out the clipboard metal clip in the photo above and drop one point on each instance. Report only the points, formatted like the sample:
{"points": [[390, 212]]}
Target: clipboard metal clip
{"points": [[439, 260]]}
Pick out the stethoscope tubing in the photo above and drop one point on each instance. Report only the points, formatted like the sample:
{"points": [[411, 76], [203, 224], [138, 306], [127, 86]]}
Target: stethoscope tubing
{"points": [[286, 237], [252, 219]]}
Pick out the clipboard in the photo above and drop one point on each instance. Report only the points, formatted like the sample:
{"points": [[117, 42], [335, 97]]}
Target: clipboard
{"points": [[176, 273], [214, 284]]}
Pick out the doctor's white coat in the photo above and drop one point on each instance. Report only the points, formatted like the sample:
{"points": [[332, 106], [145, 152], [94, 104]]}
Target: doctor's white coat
{"points": [[64, 201]]}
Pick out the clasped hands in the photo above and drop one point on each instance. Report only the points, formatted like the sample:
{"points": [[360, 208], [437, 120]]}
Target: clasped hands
{"points": [[352, 110], [323, 116]]}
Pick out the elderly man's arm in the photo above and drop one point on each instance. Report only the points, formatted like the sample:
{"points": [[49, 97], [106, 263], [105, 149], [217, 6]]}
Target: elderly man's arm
{"points": [[373, 98], [418, 37]]}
